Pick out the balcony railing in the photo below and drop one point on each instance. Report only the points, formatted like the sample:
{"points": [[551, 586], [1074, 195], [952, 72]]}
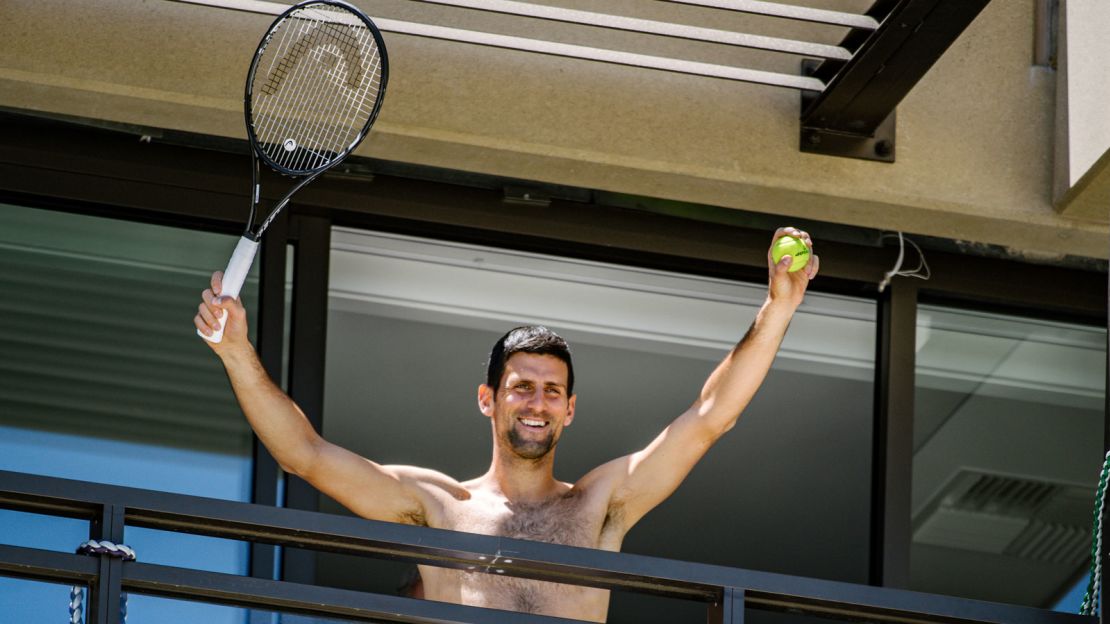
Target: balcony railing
{"points": [[725, 591]]}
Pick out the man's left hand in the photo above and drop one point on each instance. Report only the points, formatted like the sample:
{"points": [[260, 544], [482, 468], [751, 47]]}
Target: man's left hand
{"points": [[785, 286]]}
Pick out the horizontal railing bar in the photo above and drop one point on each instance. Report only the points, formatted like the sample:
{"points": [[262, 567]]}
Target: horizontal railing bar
{"points": [[436, 547], [528, 559], [550, 48], [334, 533], [839, 611], [47, 565], [652, 27], [246, 591], [49, 505]]}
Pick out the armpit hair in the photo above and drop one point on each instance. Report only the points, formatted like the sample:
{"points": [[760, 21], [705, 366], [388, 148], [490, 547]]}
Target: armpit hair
{"points": [[412, 517], [614, 518]]}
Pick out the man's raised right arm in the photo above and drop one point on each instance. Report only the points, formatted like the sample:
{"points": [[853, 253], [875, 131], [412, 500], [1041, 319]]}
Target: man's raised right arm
{"points": [[390, 493]]}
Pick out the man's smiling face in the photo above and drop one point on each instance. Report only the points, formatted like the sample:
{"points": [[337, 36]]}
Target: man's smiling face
{"points": [[530, 406]]}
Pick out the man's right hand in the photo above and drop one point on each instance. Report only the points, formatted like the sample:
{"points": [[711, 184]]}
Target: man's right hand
{"points": [[210, 310]]}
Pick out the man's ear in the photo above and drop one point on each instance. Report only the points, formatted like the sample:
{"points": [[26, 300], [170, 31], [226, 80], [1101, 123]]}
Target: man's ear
{"points": [[570, 409], [485, 400]]}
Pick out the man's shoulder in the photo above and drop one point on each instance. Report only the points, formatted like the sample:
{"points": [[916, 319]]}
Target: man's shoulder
{"points": [[603, 477], [429, 479]]}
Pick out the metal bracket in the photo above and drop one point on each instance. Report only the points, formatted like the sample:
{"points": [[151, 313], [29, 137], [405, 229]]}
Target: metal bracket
{"points": [[814, 139], [854, 114]]}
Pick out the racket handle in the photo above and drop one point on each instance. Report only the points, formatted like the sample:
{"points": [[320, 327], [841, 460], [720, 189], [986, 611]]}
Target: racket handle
{"points": [[237, 268]]}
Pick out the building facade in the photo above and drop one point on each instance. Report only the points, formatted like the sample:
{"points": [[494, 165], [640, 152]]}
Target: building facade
{"points": [[942, 435]]}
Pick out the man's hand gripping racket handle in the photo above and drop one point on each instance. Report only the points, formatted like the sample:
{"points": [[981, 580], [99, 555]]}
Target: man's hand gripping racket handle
{"points": [[234, 276]]}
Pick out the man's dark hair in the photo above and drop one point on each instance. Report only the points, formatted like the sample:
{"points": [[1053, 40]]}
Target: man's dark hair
{"points": [[527, 339]]}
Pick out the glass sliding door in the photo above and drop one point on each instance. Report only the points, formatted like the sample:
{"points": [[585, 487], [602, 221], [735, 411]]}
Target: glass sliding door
{"points": [[102, 378], [410, 325], [1007, 450]]}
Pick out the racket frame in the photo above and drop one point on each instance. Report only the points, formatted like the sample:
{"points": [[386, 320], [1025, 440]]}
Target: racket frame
{"points": [[248, 97], [245, 250]]}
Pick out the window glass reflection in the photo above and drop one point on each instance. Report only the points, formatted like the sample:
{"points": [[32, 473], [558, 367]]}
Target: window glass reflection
{"points": [[34, 602], [1007, 450], [103, 378], [99, 344]]}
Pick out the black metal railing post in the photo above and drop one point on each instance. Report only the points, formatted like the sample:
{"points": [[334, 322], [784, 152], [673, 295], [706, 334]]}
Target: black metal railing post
{"points": [[730, 610], [104, 594]]}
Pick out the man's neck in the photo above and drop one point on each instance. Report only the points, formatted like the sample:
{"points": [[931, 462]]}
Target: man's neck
{"points": [[522, 480]]}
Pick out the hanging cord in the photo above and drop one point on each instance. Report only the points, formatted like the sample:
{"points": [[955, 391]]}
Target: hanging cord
{"points": [[922, 270], [96, 548], [1090, 604]]}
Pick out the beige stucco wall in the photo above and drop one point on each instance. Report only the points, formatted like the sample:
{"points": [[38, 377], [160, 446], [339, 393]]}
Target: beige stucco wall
{"points": [[975, 137]]}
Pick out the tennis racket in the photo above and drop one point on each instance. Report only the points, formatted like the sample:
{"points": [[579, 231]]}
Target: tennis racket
{"points": [[314, 88]]}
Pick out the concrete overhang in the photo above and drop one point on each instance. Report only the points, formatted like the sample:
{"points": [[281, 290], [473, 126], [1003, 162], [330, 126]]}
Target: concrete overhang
{"points": [[975, 146]]}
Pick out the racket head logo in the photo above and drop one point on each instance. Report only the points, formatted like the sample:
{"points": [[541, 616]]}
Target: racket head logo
{"points": [[289, 145]]}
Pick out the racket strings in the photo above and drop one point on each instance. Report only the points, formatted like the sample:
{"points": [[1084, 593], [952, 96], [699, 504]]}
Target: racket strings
{"points": [[310, 135], [326, 134], [317, 90]]}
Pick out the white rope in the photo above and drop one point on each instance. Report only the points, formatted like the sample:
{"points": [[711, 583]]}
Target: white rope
{"points": [[1092, 599], [922, 270], [76, 593]]}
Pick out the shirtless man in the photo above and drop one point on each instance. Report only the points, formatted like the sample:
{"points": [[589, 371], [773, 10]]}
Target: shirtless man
{"points": [[529, 399]]}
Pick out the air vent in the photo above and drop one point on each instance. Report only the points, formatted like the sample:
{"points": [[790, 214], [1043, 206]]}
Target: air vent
{"points": [[1001, 515], [1003, 495], [1052, 543]]}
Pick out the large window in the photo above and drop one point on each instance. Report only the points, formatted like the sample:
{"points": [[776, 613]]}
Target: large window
{"points": [[1007, 450], [103, 379], [410, 325]]}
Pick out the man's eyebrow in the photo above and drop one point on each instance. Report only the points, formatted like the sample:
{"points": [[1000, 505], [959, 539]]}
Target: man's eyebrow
{"points": [[521, 378]]}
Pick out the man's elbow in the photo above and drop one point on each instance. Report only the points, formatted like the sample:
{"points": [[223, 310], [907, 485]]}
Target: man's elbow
{"points": [[288, 468], [715, 419], [300, 462], [292, 467]]}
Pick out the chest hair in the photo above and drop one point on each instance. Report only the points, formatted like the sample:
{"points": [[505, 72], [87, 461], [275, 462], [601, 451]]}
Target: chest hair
{"points": [[556, 521]]}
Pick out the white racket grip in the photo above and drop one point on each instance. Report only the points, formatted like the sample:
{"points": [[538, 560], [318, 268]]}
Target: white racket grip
{"points": [[237, 269]]}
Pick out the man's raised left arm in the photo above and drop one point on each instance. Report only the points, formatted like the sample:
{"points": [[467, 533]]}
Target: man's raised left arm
{"points": [[644, 479]]}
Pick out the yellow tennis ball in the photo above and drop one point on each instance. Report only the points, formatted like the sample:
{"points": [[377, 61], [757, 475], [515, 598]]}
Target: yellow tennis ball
{"points": [[791, 246]]}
